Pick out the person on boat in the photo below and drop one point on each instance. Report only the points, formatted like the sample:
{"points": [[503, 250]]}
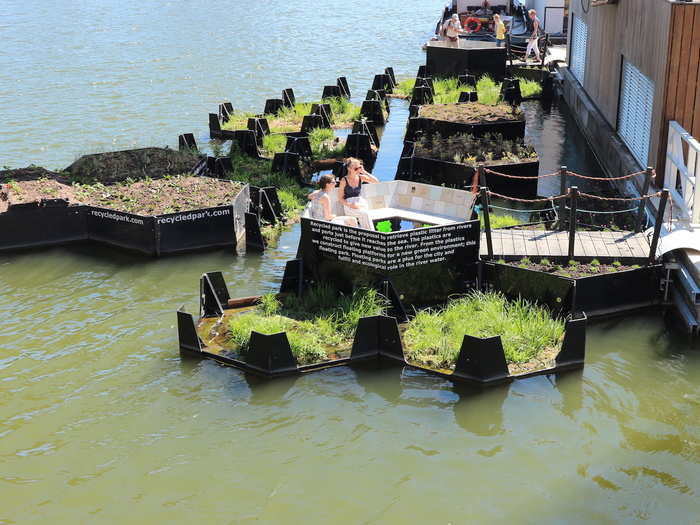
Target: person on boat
{"points": [[451, 30], [321, 203], [349, 192], [485, 9], [533, 41], [500, 29]]}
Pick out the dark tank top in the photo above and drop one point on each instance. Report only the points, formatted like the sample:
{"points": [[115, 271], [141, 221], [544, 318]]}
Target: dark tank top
{"points": [[351, 191]]}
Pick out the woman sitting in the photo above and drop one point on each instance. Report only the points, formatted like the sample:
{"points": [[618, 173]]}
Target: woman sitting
{"points": [[349, 192], [321, 203]]}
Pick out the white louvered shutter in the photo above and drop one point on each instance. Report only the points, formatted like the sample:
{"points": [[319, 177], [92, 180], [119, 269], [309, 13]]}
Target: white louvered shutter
{"points": [[635, 111], [579, 39]]}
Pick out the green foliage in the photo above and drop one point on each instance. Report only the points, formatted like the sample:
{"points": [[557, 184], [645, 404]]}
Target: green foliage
{"points": [[274, 143], [405, 87], [269, 304], [595, 263], [545, 261], [324, 144], [343, 113], [318, 321], [434, 337], [617, 264], [447, 91], [529, 88], [470, 150], [384, 226], [500, 221], [489, 91], [342, 110]]}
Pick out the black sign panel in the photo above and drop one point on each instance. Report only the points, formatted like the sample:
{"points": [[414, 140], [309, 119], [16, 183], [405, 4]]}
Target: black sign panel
{"points": [[425, 264], [118, 228], [190, 230], [37, 225]]}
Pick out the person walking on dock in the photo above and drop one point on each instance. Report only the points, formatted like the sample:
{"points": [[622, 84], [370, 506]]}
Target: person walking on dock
{"points": [[451, 30], [533, 41], [500, 29]]}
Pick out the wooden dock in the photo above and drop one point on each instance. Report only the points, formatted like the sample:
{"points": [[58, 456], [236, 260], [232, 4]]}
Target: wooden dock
{"points": [[509, 244]]}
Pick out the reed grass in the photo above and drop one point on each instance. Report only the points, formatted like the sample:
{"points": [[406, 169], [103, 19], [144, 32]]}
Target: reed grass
{"points": [[529, 88], [324, 144], [447, 90], [287, 119], [500, 221], [319, 322], [434, 337]]}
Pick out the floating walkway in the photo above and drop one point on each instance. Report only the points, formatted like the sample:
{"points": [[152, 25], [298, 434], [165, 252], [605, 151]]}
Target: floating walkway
{"points": [[510, 244]]}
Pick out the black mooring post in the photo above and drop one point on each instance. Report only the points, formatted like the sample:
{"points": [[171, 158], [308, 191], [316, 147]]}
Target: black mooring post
{"points": [[562, 191], [572, 220], [509, 50], [487, 220], [657, 226], [482, 174], [648, 174], [546, 45]]}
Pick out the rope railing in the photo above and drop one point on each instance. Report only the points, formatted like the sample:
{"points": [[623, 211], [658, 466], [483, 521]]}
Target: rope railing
{"points": [[515, 210], [572, 195], [580, 194], [596, 212], [620, 199], [568, 173], [518, 199]]}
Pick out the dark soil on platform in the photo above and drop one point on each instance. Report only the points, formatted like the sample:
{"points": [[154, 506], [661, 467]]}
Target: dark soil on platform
{"points": [[146, 197], [471, 113], [136, 164]]}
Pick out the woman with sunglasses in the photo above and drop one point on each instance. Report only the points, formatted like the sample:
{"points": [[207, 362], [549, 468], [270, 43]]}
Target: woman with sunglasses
{"points": [[321, 203], [349, 192]]}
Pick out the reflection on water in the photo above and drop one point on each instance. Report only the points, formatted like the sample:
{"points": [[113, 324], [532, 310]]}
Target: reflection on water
{"points": [[100, 419]]}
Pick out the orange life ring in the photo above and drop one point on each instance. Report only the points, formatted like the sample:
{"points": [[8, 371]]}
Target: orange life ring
{"points": [[474, 20]]}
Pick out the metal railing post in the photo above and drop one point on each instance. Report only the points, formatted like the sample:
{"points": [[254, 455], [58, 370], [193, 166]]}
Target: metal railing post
{"points": [[509, 50], [482, 174], [562, 191], [648, 174], [657, 226], [572, 220], [487, 220]]}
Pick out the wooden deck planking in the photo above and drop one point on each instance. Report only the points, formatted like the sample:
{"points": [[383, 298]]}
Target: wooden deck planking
{"points": [[539, 243]]}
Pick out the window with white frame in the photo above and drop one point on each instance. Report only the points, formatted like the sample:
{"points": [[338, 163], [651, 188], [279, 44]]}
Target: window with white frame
{"points": [[579, 39], [635, 111]]}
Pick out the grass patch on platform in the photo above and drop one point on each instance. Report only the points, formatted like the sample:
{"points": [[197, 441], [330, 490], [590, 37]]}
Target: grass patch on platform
{"points": [[499, 221], [135, 164], [319, 324], [530, 88], [325, 145], [343, 114], [447, 90], [158, 196], [573, 269], [434, 336], [274, 144], [469, 150]]}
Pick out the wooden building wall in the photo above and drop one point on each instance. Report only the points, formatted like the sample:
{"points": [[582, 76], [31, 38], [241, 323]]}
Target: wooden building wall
{"points": [[682, 101], [637, 30]]}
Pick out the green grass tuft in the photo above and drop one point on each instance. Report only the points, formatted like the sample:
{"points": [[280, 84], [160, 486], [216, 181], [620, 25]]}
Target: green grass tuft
{"points": [[315, 323], [529, 88], [500, 221], [434, 337]]}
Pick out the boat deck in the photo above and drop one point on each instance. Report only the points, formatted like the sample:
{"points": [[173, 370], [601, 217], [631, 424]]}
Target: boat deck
{"points": [[509, 244]]}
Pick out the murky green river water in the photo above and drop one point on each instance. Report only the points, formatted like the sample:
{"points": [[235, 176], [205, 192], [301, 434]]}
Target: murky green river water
{"points": [[102, 422]]}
